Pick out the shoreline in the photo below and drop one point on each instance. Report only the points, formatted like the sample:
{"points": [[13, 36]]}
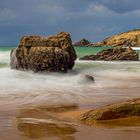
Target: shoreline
{"points": [[54, 123], [25, 97]]}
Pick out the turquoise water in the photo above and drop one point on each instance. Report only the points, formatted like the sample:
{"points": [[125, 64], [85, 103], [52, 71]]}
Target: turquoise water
{"points": [[6, 48], [82, 51]]}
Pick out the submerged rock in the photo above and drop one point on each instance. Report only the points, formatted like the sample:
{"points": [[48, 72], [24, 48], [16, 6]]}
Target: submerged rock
{"points": [[86, 79], [36, 53], [115, 111], [35, 128], [116, 53], [130, 38], [89, 78]]}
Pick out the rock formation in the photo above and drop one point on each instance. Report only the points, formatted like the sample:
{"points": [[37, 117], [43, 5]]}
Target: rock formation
{"points": [[36, 53], [128, 39], [82, 43], [116, 53], [115, 111]]}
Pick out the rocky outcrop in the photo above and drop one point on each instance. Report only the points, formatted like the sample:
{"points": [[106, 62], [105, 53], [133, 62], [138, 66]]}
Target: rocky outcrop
{"points": [[82, 43], [130, 38], [36, 53], [116, 53], [115, 111]]}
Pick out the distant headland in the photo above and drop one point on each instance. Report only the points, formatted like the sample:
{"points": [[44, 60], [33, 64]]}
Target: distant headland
{"points": [[127, 39]]}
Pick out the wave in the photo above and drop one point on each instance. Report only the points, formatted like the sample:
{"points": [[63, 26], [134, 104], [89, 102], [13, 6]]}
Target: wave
{"points": [[26, 88], [4, 58], [113, 81], [136, 48]]}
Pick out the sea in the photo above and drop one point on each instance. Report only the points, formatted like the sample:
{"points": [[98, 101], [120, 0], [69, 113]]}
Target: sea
{"points": [[115, 81]]}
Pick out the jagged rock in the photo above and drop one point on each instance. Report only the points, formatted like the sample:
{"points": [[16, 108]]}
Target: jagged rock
{"points": [[52, 53], [83, 43], [127, 39], [116, 53], [115, 111]]}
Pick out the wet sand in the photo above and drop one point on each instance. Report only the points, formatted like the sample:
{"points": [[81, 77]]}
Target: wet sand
{"points": [[60, 123]]}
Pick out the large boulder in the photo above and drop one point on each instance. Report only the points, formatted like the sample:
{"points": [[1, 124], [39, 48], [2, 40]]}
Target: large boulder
{"points": [[36, 53], [116, 53], [127, 39], [115, 111]]}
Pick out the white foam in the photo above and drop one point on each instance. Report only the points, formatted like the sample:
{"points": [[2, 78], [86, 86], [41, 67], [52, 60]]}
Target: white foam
{"points": [[5, 57], [136, 48], [21, 88]]}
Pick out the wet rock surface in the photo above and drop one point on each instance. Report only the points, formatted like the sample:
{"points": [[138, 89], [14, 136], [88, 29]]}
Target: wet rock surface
{"points": [[36, 53], [115, 111], [116, 53]]}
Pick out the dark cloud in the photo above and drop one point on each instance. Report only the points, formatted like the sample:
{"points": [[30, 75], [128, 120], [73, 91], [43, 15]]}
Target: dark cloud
{"points": [[119, 6], [93, 19]]}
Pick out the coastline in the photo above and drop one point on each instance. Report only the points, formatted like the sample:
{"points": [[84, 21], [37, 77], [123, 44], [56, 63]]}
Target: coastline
{"points": [[26, 98]]}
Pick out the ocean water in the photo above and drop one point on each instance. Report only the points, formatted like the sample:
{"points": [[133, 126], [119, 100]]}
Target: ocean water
{"points": [[83, 51], [114, 81]]}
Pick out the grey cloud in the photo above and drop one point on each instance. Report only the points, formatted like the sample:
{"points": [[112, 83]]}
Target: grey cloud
{"points": [[93, 19], [119, 6]]}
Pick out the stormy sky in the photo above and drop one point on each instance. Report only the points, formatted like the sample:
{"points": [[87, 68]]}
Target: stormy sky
{"points": [[91, 19]]}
